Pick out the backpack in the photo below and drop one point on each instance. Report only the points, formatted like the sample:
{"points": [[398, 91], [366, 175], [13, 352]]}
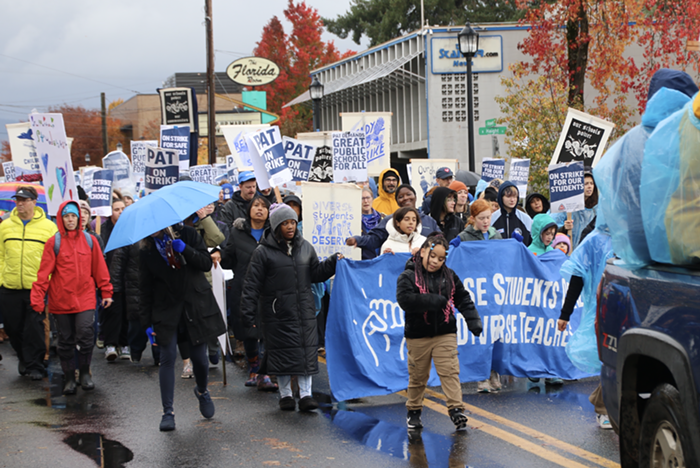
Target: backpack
{"points": [[57, 242]]}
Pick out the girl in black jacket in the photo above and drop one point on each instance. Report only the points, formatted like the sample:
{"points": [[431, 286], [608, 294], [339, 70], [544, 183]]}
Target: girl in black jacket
{"points": [[442, 210], [277, 294], [428, 292]]}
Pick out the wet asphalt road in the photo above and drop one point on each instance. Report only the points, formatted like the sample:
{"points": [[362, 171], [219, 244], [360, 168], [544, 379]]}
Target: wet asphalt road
{"points": [[524, 425]]}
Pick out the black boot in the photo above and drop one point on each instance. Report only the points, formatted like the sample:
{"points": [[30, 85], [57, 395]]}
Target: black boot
{"points": [[85, 377], [69, 387]]}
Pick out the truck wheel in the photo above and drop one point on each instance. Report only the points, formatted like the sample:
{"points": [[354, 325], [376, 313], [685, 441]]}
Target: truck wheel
{"points": [[664, 439]]}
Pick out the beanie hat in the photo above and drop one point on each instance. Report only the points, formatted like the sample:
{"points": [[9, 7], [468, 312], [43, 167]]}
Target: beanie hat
{"points": [[562, 239], [84, 205], [457, 186], [280, 213], [71, 208], [228, 191]]}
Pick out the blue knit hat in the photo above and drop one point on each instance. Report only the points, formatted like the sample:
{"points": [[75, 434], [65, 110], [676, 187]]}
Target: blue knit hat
{"points": [[71, 208]]}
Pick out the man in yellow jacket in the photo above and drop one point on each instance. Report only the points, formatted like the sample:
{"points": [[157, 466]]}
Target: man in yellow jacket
{"points": [[389, 181], [22, 239]]}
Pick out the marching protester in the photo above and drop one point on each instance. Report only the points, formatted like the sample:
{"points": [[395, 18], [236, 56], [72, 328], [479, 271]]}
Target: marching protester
{"points": [[404, 232], [370, 216], [118, 206], [277, 294], [562, 242], [373, 240], [536, 203], [22, 239], [442, 210], [508, 220], [72, 268], [385, 203], [428, 292], [490, 194], [543, 231], [462, 205], [85, 217], [178, 303], [245, 235], [443, 178], [580, 219], [237, 206], [225, 195]]}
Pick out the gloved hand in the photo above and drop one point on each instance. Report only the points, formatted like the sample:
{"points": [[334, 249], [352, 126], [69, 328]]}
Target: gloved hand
{"points": [[151, 336], [178, 245], [517, 236], [455, 242]]}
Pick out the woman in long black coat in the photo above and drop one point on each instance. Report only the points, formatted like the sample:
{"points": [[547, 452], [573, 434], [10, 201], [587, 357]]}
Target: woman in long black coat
{"points": [[179, 304], [278, 288]]}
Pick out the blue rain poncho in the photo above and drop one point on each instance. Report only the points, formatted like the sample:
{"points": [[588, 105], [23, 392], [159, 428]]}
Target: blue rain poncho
{"points": [[588, 262], [670, 189], [618, 176]]}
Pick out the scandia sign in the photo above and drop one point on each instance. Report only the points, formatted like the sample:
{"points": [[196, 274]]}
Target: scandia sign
{"points": [[253, 71]]}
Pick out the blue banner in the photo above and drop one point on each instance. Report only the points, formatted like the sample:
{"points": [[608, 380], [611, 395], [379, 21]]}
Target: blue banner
{"points": [[518, 296], [566, 187], [493, 169]]}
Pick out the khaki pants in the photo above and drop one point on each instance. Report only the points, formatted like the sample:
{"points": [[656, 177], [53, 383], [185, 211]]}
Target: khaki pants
{"points": [[442, 350], [596, 398]]}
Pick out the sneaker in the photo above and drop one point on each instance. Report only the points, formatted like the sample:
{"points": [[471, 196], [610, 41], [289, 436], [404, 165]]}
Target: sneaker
{"points": [[413, 419], [603, 421], [111, 353], [99, 344], [495, 381], [124, 353], [21, 368], [484, 386], [556, 381], [167, 423], [308, 404], [187, 372], [36, 374], [533, 380], [288, 404], [459, 419], [252, 380], [206, 406]]}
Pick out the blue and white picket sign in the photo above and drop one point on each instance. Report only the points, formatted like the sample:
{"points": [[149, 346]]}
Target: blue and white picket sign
{"points": [[349, 157], [269, 148], [177, 137], [119, 162], [518, 296], [162, 168], [203, 173], [519, 174], [493, 168], [566, 187], [101, 192], [9, 170], [299, 156]]}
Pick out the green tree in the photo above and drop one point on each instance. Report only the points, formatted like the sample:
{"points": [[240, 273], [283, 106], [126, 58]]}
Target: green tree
{"points": [[383, 20]]}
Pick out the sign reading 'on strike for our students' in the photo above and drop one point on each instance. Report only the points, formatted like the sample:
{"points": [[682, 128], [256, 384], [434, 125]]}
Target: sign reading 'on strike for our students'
{"points": [[566, 187]]}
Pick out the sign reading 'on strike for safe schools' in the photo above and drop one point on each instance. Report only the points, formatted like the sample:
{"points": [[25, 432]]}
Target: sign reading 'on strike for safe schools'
{"points": [[101, 192], [162, 168]]}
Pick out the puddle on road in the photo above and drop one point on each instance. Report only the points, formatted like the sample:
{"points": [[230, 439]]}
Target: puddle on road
{"points": [[104, 452]]}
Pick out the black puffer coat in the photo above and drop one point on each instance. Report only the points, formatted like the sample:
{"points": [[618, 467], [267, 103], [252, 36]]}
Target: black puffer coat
{"points": [[233, 209], [169, 296], [424, 312], [278, 287], [124, 274], [450, 225]]}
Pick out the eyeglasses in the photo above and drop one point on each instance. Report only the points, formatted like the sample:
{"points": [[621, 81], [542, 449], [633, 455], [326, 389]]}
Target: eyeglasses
{"points": [[23, 200]]}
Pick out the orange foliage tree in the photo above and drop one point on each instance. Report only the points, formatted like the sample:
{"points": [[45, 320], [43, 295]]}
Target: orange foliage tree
{"points": [[296, 55]]}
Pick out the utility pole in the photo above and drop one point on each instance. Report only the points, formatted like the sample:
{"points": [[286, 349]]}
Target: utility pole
{"points": [[105, 148], [211, 88]]}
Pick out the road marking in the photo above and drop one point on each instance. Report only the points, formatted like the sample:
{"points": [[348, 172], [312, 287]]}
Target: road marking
{"points": [[579, 452]]}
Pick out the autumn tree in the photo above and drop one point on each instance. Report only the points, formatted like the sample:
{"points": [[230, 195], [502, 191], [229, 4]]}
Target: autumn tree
{"points": [[296, 54], [577, 49], [383, 20]]}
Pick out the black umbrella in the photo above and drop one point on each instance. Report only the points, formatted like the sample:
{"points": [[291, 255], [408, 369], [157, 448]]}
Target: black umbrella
{"points": [[468, 178]]}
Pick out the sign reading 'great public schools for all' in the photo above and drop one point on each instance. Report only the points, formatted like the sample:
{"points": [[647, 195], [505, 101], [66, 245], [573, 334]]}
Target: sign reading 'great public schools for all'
{"points": [[446, 57]]}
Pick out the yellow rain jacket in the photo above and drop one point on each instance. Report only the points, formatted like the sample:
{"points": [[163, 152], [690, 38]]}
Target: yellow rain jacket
{"points": [[385, 203]]}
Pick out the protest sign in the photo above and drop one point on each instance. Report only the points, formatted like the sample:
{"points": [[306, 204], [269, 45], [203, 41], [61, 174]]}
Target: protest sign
{"points": [[9, 171], [101, 192], [332, 213], [349, 158], [162, 168], [268, 146], [119, 162], [493, 168], [86, 174], [566, 187], [322, 165], [203, 173], [218, 286], [235, 139], [178, 106], [76, 176], [24, 155], [55, 161], [299, 156], [519, 174], [518, 295], [423, 175], [138, 155], [583, 138], [177, 138], [232, 172], [377, 129]]}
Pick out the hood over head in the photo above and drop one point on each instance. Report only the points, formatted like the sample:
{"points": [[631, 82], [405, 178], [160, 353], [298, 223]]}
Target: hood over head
{"points": [[59, 219], [532, 196], [438, 201], [382, 175], [541, 223], [672, 79], [502, 189]]}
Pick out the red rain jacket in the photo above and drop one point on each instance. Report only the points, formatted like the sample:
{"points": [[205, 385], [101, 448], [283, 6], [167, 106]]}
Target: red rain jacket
{"points": [[71, 277]]}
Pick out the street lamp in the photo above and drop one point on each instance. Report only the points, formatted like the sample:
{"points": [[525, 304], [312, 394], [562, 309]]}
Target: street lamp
{"points": [[468, 46], [316, 93]]}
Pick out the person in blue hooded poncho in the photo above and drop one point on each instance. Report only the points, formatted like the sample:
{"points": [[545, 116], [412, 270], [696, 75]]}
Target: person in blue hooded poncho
{"points": [[618, 174]]}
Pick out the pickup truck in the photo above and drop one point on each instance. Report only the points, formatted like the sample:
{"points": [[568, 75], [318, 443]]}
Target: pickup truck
{"points": [[648, 330]]}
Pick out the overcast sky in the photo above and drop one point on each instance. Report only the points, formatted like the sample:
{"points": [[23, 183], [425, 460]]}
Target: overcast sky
{"points": [[55, 52]]}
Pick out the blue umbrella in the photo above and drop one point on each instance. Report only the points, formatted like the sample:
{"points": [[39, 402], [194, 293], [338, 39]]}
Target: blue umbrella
{"points": [[160, 209]]}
